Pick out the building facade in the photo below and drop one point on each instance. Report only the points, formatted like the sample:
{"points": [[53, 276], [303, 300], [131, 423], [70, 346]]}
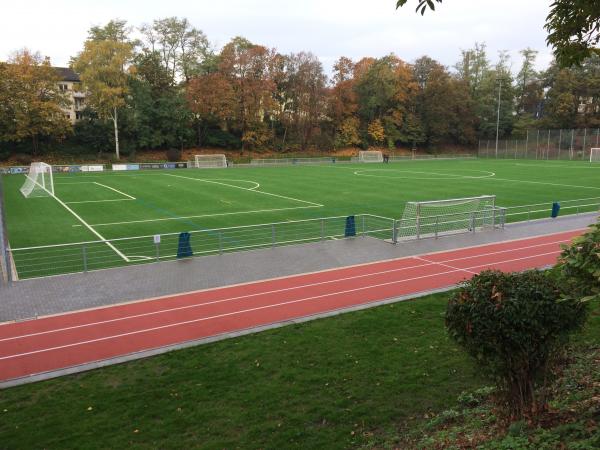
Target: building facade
{"points": [[71, 85]]}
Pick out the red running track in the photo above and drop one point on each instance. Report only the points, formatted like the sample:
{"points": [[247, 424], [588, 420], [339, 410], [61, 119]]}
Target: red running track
{"points": [[64, 341]]}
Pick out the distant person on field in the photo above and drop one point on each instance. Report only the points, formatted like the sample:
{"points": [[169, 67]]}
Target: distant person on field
{"points": [[386, 159]]}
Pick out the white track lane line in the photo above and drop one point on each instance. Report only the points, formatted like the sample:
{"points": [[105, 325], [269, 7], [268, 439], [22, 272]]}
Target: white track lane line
{"points": [[444, 265], [303, 286], [245, 189], [258, 308]]}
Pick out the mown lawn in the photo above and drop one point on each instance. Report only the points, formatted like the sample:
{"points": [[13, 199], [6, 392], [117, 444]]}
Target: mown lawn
{"points": [[355, 380]]}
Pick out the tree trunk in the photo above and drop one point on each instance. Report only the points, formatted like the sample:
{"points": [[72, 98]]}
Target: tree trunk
{"points": [[115, 122], [35, 144]]}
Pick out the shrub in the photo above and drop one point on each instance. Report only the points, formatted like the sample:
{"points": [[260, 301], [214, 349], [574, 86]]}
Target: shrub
{"points": [[579, 266], [514, 325], [173, 155]]}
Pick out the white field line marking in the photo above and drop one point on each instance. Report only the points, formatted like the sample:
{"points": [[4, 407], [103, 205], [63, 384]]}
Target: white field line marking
{"points": [[441, 176], [116, 190], [75, 182], [444, 265], [258, 308], [544, 183], [87, 225], [551, 166], [200, 216], [129, 197], [245, 189], [256, 185], [99, 201], [275, 291]]}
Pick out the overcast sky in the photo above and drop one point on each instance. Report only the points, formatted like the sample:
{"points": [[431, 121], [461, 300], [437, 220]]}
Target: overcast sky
{"points": [[328, 28]]}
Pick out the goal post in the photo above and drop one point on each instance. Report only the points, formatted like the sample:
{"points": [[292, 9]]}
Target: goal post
{"points": [[39, 181], [595, 155], [433, 218], [209, 161], [370, 156]]}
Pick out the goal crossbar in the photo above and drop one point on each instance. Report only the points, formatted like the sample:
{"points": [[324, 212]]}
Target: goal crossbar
{"points": [[209, 161]]}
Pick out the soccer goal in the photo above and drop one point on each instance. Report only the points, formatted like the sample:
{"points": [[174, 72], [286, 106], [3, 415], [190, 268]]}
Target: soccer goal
{"points": [[432, 218], [209, 161], [39, 182], [370, 156], [595, 155]]}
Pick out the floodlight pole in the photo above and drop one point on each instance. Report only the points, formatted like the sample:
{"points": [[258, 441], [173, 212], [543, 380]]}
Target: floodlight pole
{"points": [[498, 116]]}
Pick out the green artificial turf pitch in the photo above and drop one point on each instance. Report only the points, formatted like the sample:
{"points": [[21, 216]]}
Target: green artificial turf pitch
{"points": [[113, 205]]}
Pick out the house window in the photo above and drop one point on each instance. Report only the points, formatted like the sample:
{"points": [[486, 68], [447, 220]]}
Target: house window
{"points": [[78, 115], [63, 87]]}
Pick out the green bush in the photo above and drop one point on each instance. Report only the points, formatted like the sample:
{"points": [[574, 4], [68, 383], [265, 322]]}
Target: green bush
{"points": [[579, 267], [514, 325]]}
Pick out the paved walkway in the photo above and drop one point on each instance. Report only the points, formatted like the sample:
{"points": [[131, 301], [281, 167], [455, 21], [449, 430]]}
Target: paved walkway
{"points": [[32, 298]]}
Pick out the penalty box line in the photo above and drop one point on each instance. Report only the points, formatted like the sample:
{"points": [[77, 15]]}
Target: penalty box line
{"points": [[244, 189], [85, 224], [129, 197]]}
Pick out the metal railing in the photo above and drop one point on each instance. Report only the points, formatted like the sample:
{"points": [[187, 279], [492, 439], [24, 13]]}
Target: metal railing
{"points": [[294, 161], [38, 261], [535, 211]]}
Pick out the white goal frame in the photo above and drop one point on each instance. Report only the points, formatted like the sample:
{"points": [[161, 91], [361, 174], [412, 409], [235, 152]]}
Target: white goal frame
{"points": [[209, 161], [594, 154], [370, 156], [39, 181], [433, 218]]}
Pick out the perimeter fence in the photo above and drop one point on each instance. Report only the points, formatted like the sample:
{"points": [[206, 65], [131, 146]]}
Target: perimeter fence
{"points": [[572, 144], [39, 261]]}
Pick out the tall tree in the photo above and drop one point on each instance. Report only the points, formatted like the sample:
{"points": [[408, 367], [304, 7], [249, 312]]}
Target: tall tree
{"points": [[211, 99], [387, 91], [184, 49], [528, 88], [115, 30], [248, 67], [444, 104], [31, 103], [343, 104], [306, 94], [161, 117], [102, 66]]}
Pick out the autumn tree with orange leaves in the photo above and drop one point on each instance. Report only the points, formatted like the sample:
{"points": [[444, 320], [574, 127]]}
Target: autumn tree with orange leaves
{"points": [[31, 103]]}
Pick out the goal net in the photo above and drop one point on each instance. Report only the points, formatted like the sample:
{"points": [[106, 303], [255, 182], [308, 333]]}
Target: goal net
{"points": [[39, 182], [431, 218], [595, 155], [209, 161], [367, 156]]}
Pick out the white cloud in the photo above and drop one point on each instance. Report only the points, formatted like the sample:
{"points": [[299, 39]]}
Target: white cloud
{"points": [[328, 28]]}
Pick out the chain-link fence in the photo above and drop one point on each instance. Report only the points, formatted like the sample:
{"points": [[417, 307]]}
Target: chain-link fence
{"points": [[574, 145]]}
